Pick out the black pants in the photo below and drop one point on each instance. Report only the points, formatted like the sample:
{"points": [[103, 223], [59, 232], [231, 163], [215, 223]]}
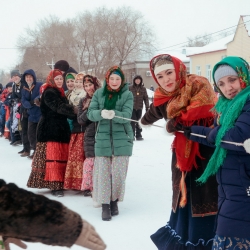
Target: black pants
{"points": [[136, 115], [25, 139], [32, 134]]}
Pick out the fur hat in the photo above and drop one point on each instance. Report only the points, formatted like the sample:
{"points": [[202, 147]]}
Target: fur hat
{"points": [[62, 65], [15, 72]]}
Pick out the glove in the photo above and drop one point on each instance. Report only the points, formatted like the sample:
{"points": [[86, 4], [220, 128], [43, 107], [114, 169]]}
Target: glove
{"points": [[32, 103], [37, 102], [211, 137], [75, 109], [107, 114], [173, 126], [14, 241], [89, 238], [187, 132]]}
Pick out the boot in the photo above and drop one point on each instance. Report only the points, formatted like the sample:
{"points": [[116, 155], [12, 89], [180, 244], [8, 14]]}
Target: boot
{"points": [[106, 213], [20, 152], [24, 154], [32, 155], [114, 208]]}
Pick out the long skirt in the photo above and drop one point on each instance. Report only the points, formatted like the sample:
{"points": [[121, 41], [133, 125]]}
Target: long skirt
{"points": [[74, 168], [184, 232], [7, 116], [48, 165], [231, 243], [109, 177], [87, 177]]}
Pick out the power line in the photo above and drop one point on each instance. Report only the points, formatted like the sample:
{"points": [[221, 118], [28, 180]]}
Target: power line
{"points": [[182, 43]]}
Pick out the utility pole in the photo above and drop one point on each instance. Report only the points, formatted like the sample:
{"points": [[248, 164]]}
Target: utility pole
{"points": [[51, 64]]}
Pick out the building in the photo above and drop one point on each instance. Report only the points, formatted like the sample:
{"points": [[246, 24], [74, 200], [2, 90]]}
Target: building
{"points": [[203, 59], [141, 67]]}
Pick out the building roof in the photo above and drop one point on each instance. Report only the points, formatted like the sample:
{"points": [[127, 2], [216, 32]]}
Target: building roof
{"points": [[214, 46], [246, 20]]}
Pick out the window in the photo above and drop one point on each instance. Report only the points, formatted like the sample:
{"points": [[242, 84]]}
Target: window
{"points": [[208, 72], [198, 70]]}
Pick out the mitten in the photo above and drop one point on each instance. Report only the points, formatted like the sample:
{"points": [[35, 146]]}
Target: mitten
{"points": [[107, 114], [173, 126], [89, 238]]}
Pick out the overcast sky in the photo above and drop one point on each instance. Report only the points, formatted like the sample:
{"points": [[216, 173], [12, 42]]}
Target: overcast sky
{"points": [[172, 21]]}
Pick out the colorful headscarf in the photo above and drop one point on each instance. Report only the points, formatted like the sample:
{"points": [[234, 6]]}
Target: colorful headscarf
{"points": [[50, 81], [112, 95], [189, 103], [228, 111], [97, 85]]}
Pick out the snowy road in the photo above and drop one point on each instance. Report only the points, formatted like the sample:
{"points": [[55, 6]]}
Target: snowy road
{"points": [[147, 202]]}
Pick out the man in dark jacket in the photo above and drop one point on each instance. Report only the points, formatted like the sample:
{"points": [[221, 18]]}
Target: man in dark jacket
{"points": [[30, 92], [140, 96]]}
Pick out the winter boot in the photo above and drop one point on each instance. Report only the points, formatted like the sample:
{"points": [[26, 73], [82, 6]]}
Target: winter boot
{"points": [[114, 207], [106, 214]]}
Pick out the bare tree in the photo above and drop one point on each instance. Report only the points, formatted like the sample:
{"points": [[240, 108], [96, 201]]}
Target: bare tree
{"points": [[91, 42], [199, 40]]}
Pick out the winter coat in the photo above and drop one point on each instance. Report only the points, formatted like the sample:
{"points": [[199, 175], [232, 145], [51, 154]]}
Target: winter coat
{"points": [[140, 95], [28, 97], [113, 137], [76, 127], [53, 125], [34, 218], [233, 176], [203, 197], [90, 130]]}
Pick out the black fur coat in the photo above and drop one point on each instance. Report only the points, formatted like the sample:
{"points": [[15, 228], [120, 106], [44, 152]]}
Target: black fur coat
{"points": [[53, 125], [35, 218]]}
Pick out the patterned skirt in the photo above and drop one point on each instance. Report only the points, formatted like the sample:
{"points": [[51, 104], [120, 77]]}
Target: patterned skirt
{"points": [[74, 168], [48, 165], [87, 177], [230, 243]]}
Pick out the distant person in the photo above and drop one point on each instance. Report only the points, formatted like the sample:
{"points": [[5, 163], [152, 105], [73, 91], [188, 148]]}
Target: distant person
{"points": [[152, 88], [140, 96], [30, 92]]}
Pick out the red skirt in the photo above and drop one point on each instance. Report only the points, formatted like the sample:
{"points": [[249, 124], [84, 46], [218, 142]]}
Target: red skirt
{"points": [[74, 168], [48, 165]]}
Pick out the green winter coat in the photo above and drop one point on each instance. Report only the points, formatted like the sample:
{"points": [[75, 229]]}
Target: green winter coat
{"points": [[113, 137]]}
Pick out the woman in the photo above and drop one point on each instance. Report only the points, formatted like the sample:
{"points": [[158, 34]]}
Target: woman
{"points": [[185, 100], [113, 140], [73, 174], [230, 163], [90, 85], [53, 136]]}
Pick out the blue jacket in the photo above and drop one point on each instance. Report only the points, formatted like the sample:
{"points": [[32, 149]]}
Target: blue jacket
{"points": [[28, 97], [233, 177]]}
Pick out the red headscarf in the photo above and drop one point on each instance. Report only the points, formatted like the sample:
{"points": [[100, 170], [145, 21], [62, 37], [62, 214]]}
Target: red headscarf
{"points": [[50, 81]]}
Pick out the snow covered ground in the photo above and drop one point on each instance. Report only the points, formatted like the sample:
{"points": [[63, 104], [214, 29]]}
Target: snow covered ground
{"points": [[147, 202]]}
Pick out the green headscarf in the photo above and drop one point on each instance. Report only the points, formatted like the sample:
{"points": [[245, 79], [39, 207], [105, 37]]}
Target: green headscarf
{"points": [[112, 95], [229, 110]]}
